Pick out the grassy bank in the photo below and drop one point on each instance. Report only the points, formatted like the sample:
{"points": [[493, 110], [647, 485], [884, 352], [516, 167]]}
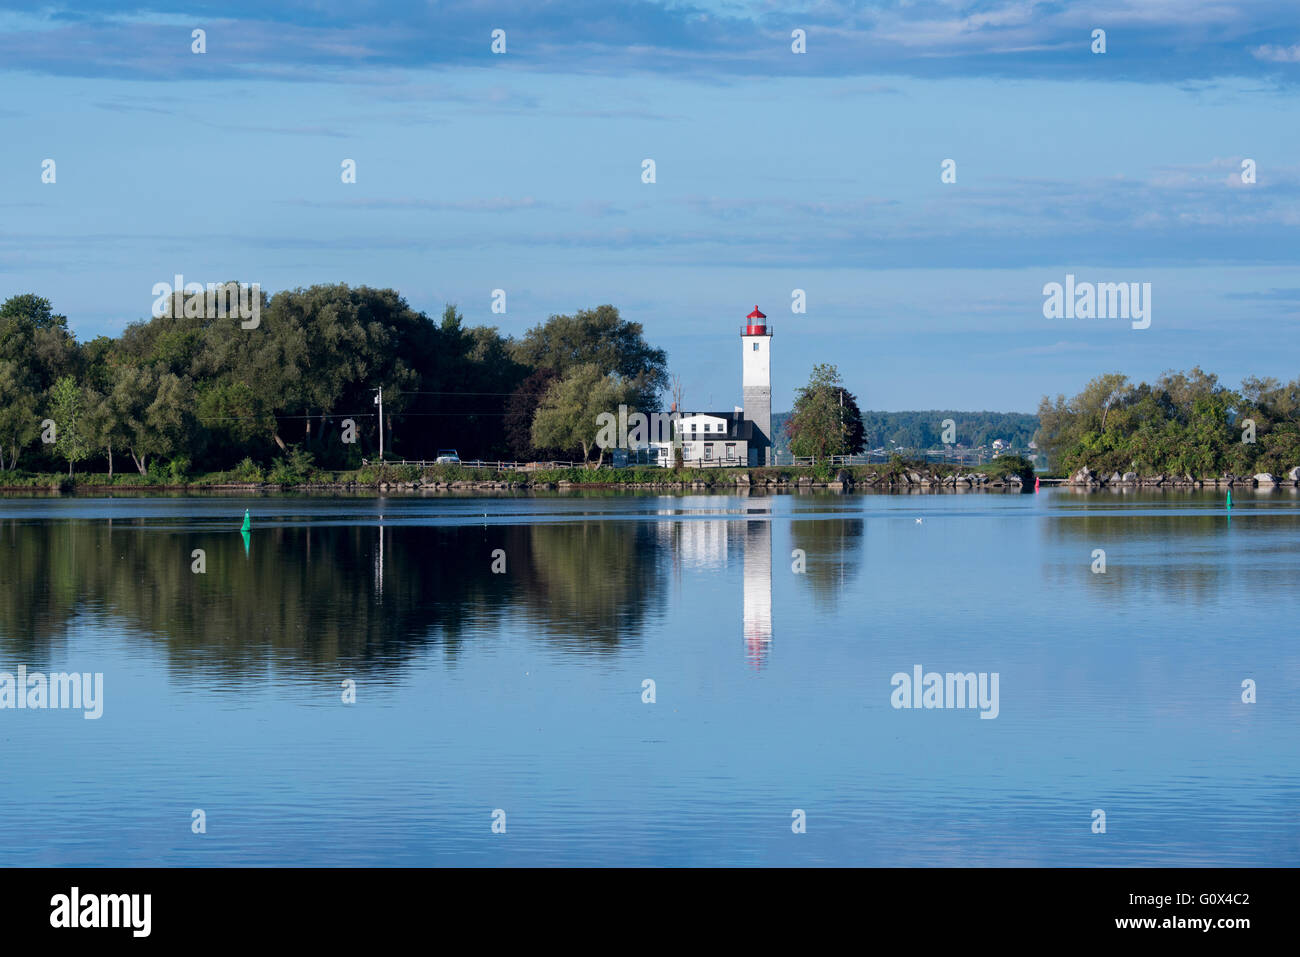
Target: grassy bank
{"points": [[897, 472]]}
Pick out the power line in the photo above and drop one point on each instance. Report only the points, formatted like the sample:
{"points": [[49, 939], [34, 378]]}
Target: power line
{"points": [[454, 393], [346, 415], [418, 415], [257, 418]]}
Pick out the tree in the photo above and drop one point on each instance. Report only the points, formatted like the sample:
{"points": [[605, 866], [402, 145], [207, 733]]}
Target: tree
{"points": [[568, 415], [101, 426], [678, 390], [599, 337], [67, 409], [197, 385], [167, 419], [133, 389], [1184, 424], [36, 350], [1097, 398], [38, 340], [1271, 397], [318, 354], [520, 410], [826, 420], [19, 423], [149, 414]]}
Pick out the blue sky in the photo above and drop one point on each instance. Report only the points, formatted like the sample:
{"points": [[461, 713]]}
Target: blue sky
{"points": [[775, 171]]}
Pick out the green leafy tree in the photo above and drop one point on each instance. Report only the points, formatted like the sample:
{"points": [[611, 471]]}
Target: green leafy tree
{"points": [[1185, 423], [568, 416], [36, 350], [196, 387], [150, 414], [599, 337], [19, 422], [826, 420], [38, 340], [67, 409]]}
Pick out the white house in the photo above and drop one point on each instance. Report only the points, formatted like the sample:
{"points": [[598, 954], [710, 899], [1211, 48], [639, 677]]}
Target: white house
{"points": [[715, 439]]}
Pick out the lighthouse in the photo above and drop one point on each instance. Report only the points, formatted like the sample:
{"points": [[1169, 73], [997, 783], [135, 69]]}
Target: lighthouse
{"points": [[756, 383]]}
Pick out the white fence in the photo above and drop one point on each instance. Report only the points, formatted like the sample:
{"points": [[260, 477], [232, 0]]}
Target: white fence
{"points": [[971, 457], [497, 466]]}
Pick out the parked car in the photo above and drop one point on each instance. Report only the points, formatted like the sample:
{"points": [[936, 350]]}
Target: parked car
{"points": [[447, 457]]}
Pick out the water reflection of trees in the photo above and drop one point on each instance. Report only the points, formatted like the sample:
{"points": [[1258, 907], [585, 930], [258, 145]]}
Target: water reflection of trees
{"points": [[833, 547], [316, 596], [1199, 555]]}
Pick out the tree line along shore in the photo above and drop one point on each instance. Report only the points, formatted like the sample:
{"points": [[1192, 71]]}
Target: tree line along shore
{"points": [[197, 399], [1183, 428], [326, 376]]}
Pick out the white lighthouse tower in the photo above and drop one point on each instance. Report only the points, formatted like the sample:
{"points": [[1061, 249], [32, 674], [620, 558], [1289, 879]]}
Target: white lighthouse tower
{"points": [[756, 363]]}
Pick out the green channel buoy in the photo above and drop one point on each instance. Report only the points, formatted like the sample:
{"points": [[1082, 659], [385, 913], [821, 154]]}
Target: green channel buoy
{"points": [[248, 522], [1229, 498]]}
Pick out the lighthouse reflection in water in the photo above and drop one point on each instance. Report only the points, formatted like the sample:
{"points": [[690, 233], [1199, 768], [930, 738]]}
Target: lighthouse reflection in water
{"points": [[757, 551], [717, 542]]}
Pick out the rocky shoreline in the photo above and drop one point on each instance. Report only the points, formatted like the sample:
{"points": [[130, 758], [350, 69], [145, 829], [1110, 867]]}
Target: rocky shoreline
{"points": [[842, 481], [1087, 478]]}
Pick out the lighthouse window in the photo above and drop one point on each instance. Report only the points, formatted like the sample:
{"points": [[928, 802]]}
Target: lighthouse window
{"points": [[756, 347]]}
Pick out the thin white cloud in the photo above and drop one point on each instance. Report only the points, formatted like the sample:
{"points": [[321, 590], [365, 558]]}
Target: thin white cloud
{"points": [[1275, 54]]}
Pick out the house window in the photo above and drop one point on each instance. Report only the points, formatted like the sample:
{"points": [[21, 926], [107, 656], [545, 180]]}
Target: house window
{"points": [[686, 451], [731, 451], [708, 451]]}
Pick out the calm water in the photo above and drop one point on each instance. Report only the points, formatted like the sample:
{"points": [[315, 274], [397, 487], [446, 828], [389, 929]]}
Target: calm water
{"points": [[522, 690]]}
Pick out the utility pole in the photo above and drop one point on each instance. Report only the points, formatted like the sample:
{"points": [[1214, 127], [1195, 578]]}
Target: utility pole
{"points": [[843, 435], [379, 401]]}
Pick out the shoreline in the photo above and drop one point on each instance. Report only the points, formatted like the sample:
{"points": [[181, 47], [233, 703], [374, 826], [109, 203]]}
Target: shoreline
{"points": [[413, 480], [697, 487]]}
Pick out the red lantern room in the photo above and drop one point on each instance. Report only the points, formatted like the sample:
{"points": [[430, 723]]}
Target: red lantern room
{"points": [[756, 324]]}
